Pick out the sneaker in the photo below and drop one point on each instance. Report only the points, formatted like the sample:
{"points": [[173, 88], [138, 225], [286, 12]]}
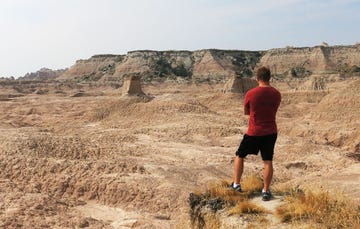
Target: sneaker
{"points": [[266, 196], [237, 189]]}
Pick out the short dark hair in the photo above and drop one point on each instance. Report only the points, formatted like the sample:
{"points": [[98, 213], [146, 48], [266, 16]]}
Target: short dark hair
{"points": [[263, 74]]}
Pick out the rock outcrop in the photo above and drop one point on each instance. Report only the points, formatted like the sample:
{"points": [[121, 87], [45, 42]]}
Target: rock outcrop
{"points": [[222, 64], [132, 86], [238, 84]]}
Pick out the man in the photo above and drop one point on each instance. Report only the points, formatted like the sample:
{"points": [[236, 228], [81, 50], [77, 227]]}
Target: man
{"points": [[261, 103]]}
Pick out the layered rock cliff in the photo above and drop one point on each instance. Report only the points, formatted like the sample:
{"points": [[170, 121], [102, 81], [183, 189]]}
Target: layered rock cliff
{"points": [[219, 65], [302, 62], [200, 65]]}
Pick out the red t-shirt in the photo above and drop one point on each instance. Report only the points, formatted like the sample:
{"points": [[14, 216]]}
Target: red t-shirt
{"points": [[263, 103]]}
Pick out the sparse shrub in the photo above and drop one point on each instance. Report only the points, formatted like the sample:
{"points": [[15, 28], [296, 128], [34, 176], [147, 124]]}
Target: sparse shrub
{"points": [[196, 203], [320, 208], [181, 71], [218, 196], [300, 71], [161, 67], [244, 62], [108, 69], [115, 85]]}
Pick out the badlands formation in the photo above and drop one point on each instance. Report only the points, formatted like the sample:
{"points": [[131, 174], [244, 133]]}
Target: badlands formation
{"points": [[90, 149]]}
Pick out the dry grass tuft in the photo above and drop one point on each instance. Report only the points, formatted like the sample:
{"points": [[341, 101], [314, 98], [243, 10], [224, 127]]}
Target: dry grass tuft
{"points": [[221, 190], [246, 207], [252, 184], [321, 208]]}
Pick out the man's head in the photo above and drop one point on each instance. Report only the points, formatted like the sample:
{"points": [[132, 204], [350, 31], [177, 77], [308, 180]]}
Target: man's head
{"points": [[263, 74]]}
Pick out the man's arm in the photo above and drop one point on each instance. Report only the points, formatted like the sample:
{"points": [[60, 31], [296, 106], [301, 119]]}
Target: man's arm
{"points": [[246, 110], [246, 105]]}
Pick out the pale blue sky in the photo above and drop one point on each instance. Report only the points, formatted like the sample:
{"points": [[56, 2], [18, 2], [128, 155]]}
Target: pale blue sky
{"points": [[55, 33]]}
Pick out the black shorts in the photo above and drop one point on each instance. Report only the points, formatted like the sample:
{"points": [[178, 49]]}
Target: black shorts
{"points": [[252, 145]]}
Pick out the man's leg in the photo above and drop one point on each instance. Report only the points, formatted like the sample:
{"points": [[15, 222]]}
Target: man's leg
{"points": [[238, 169], [268, 174]]}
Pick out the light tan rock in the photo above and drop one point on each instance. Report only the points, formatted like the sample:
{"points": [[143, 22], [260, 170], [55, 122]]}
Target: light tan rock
{"points": [[238, 84], [135, 62], [132, 86], [207, 65], [96, 65]]}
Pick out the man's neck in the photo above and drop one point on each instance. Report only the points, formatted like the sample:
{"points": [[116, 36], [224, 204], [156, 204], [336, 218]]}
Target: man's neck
{"points": [[264, 84]]}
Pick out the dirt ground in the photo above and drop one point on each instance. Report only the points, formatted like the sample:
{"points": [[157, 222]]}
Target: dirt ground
{"points": [[85, 157]]}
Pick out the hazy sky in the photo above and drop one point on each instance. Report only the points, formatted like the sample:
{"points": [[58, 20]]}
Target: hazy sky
{"points": [[55, 33]]}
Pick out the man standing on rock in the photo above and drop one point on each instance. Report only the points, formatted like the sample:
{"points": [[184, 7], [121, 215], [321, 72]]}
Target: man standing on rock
{"points": [[261, 103]]}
